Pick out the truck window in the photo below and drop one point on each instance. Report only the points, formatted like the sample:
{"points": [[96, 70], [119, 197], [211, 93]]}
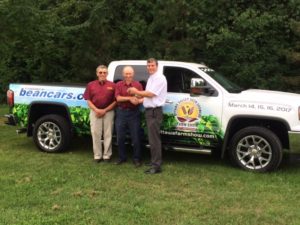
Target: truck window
{"points": [[141, 74], [229, 85], [179, 79]]}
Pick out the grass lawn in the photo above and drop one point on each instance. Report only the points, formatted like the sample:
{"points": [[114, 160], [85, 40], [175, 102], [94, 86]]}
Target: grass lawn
{"points": [[68, 188]]}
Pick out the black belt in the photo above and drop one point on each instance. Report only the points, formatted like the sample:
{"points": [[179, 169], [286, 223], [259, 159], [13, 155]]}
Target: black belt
{"points": [[128, 109], [153, 108]]}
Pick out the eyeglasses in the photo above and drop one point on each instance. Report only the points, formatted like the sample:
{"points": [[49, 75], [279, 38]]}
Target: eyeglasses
{"points": [[102, 72]]}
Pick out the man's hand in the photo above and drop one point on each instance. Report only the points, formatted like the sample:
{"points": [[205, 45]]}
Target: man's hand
{"points": [[100, 112], [134, 100], [132, 90]]}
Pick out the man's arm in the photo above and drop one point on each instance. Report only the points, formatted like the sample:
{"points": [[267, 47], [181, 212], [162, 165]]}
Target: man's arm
{"points": [[140, 93], [92, 106], [111, 106], [133, 99], [101, 112], [123, 98]]}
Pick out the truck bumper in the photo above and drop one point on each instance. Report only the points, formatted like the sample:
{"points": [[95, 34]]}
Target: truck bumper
{"points": [[11, 120], [294, 140]]}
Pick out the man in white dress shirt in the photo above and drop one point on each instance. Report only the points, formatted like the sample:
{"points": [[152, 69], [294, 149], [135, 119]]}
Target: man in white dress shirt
{"points": [[155, 96]]}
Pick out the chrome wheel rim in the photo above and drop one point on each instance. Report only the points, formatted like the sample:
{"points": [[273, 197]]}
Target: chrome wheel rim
{"points": [[254, 152], [49, 135]]}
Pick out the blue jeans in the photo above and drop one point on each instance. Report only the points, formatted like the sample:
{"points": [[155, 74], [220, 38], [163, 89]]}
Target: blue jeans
{"points": [[128, 121]]}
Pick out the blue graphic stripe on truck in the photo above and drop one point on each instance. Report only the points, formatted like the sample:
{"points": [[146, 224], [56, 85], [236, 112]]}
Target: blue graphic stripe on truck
{"points": [[26, 94], [50, 94]]}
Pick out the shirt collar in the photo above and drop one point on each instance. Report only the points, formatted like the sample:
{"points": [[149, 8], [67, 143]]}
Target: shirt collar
{"points": [[128, 85], [154, 75], [102, 82]]}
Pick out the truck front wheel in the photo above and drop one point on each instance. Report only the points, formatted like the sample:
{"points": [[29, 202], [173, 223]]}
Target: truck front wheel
{"points": [[256, 149], [51, 133]]}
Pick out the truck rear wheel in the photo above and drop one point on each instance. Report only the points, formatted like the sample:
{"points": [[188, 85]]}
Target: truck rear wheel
{"points": [[52, 133], [256, 149]]}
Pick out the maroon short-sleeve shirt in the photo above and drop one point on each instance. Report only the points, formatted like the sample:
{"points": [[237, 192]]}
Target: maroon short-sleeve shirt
{"points": [[121, 90], [101, 94]]}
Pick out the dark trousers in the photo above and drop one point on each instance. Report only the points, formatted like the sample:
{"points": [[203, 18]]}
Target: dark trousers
{"points": [[128, 120], [154, 117]]}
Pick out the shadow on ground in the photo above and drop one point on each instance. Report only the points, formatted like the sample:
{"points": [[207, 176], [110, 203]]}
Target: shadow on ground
{"points": [[84, 144]]}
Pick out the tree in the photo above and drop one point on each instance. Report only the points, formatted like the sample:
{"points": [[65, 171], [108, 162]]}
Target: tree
{"points": [[292, 77], [255, 43]]}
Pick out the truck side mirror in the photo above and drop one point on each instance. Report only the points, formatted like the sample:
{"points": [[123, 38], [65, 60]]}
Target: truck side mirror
{"points": [[199, 87]]}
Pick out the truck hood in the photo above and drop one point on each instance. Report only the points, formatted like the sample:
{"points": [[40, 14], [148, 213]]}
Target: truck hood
{"points": [[266, 96]]}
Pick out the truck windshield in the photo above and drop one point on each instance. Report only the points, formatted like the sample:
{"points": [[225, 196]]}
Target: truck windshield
{"points": [[223, 81]]}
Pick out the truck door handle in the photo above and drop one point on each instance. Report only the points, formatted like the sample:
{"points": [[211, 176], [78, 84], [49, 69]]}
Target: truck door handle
{"points": [[169, 101]]}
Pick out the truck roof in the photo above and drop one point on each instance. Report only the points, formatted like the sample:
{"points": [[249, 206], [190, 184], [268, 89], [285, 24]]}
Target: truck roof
{"points": [[139, 62]]}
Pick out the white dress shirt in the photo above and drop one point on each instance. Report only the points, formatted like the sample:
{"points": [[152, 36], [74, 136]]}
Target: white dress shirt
{"points": [[156, 84]]}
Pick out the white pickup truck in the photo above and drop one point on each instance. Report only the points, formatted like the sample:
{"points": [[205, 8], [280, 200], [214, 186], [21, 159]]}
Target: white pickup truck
{"points": [[204, 113]]}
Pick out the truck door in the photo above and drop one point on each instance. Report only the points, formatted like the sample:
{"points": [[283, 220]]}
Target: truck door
{"points": [[190, 120]]}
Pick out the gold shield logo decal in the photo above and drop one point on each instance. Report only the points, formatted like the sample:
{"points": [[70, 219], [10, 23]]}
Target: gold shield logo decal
{"points": [[187, 112]]}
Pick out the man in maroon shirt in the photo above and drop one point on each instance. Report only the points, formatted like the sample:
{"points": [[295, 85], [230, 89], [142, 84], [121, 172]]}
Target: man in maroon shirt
{"points": [[128, 116], [100, 96]]}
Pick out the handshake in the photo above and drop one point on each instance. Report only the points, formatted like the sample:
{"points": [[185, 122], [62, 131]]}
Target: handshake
{"points": [[135, 99], [132, 91]]}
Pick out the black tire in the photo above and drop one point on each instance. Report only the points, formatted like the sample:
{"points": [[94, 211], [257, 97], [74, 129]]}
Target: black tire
{"points": [[52, 133], [256, 149]]}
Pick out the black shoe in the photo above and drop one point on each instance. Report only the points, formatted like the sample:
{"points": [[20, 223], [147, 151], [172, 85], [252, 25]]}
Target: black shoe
{"points": [[137, 163], [120, 161], [97, 160], [148, 164], [153, 170], [106, 160]]}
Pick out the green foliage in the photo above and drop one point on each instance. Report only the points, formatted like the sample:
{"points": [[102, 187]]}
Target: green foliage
{"points": [[79, 117], [20, 112], [80, 120], [293, 59], [169, 121], [253, 40], [210, 125], [63, 41]]}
